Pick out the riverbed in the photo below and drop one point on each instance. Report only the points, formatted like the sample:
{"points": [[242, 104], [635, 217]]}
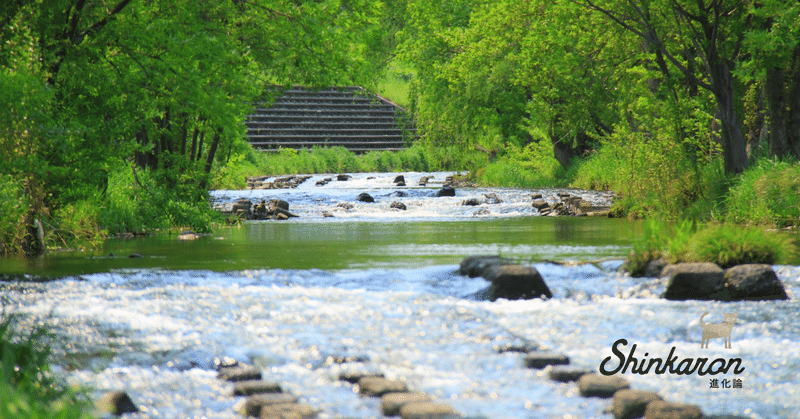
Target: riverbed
{"points": [[380, 287]]}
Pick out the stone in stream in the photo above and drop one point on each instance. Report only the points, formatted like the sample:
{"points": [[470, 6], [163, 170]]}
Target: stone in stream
{"points": [[630, 404], [694, 281], [392, 402], [492, 198], [378, 386], [754, 282], [540, 204], [399, 179], [660, 409], [239, 373], [365, 197], [287, 411], [471, 202], [515, 282], [524, 348], [602, 386], [117, 403], [539, 360], [427, 410], [343, 178], [566, 375], [446, 191], [398, 206], [354, 377], [473, 266], [250, 387], [252, 405]]}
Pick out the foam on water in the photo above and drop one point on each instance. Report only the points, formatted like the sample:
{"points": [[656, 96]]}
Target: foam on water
{"points": [[156, 334], [309, 201]]}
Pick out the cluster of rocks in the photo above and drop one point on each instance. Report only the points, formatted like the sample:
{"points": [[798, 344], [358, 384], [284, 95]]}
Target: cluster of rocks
{"points": [[508, 280], [489, 198], [284, 182], [397, 399], [327, 180], [263, 399], [243, 209], [567, 204], [626, 403], [708, 281]]}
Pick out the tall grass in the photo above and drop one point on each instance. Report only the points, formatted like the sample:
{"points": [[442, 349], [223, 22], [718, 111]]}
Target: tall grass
{"points": [[767, 193], [725, 245]]}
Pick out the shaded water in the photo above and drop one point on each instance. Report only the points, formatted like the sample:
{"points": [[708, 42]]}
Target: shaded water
{"points": [[381, 286]]}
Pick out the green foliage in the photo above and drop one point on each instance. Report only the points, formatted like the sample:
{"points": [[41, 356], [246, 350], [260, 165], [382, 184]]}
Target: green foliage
{"points": [[27, 387], [13, 205], [725, 245], [136, 203], [768, 193]]}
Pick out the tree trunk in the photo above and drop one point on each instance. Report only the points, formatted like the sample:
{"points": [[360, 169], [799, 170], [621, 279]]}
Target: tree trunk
{"points": [[193, 152], [778, 146], [793, 99], [734, 152], [212, 150], [562, 151]]}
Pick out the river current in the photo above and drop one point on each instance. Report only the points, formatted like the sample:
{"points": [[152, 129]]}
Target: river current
{"points": [[396, 305]]}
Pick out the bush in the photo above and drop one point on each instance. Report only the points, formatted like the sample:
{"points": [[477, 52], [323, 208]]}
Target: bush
{"points": [[13, 205], [768, 193], [725, 245]]}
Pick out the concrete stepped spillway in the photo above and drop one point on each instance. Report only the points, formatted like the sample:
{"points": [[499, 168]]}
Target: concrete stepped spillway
{"points": [[339, 116]]}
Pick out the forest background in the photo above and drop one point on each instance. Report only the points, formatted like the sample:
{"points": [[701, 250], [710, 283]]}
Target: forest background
{"points": [[120, 115]]}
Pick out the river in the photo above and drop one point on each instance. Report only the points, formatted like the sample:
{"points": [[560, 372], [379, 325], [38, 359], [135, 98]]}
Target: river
{"points": [[379, 285]]}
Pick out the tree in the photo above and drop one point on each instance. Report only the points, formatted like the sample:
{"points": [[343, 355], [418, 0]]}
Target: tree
{"points": [[701, 41]]}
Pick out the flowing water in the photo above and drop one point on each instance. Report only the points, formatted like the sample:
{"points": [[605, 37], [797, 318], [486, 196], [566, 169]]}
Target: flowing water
{"points": [[380, 286]]}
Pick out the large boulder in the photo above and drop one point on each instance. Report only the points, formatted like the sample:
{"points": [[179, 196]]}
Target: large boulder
{"points": [[446, 191], [659, 409], [117, 403], [631, 404], [365, 197], [694, 281], [516, 282], [754, 282]]}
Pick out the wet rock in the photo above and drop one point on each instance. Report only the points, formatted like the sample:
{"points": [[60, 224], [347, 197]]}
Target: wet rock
{"points": [[400, 194], [427, 410], [471, 202], [287, 411], [116, 403], [630, 404], [355, 377], [660, 409], [536, 196], [392, 402], [523, 348], [515, 282], [239, 373], [253, 405], [423, 180], [446, 191], [566, 375], [400, 179], [378, 386], [250, 387], [365, 197], [277, 204], [540, 204], [326, 214], [539, 360], [560, 209], [242, 208], [603, 386], [343, 178], [482, 211], [694, 281], [188, 235], [492, 198], [398, 206], [345, 205], [754, 282], [344, 359]]}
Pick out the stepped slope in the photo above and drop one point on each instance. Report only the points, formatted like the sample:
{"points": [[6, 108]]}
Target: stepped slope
{"points": [[339, 116]]}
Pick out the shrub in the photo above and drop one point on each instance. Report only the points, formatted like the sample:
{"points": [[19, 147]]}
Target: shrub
{"points": [[767, 193], [725, 245]]}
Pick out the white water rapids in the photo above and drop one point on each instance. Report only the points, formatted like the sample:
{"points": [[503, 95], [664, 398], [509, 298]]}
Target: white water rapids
{"points": [[156, 333]]}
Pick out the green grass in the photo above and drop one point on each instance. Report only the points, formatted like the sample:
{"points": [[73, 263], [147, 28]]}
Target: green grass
{"points": [[27, 387], [768, 193], [725, 245]]}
